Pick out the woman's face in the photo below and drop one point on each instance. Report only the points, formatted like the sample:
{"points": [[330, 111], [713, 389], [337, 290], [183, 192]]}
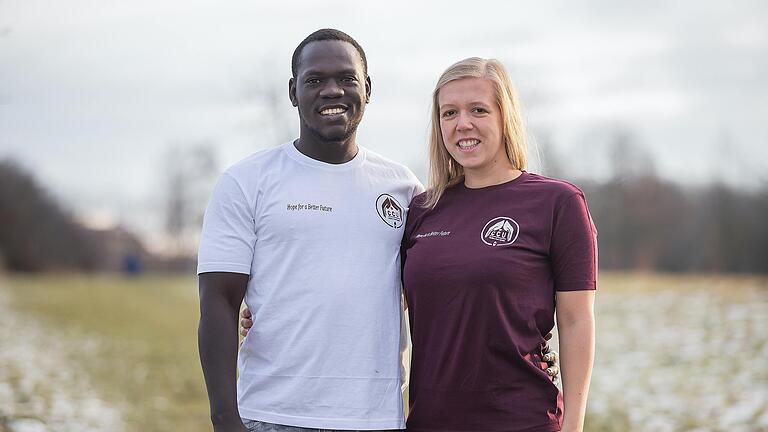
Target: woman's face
{"points": [[470, 123]]}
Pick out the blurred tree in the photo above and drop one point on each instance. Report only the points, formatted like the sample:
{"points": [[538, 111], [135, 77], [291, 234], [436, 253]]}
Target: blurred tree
{"points": [[268, 91], [736, 229], [548, 158], [36, 234], [190, 172], [628, 216], [628, 158], [647, 223]]}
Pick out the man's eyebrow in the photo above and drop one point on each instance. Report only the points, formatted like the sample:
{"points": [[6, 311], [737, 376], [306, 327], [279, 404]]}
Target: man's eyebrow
{"points": [[322, 72], [348, 72]]}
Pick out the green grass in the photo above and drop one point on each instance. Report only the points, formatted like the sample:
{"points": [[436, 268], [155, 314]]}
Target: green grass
{"points": [[146, 356], [647, 283]]}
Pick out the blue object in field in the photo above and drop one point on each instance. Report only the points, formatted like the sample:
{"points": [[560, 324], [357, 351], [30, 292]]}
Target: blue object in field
{"points": [[132, 265]]}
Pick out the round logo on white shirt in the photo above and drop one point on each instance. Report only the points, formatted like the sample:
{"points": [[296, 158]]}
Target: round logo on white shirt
{"points": [[500, 231], [390, 210]]}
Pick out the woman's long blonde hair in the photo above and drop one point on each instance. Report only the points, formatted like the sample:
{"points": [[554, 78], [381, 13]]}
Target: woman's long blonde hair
{"points": [[444, 171]]}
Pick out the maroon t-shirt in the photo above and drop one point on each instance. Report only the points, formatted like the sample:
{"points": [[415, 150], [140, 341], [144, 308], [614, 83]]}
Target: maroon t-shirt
{"points": [[480, 275]]}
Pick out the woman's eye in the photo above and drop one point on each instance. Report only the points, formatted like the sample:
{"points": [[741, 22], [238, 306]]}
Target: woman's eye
{"points": [[448, 113], [481, 110]]}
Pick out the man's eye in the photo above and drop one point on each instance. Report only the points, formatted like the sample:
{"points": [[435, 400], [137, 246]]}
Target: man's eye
{"points": [[313, 81], [349, 79]]}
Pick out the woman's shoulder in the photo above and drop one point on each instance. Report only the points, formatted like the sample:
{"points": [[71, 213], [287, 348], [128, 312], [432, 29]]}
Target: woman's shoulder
{"points": [[419, 202], [559, 188]]}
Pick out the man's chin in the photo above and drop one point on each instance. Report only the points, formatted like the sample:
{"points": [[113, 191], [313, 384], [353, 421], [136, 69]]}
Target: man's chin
{"points": [[334, 135]]}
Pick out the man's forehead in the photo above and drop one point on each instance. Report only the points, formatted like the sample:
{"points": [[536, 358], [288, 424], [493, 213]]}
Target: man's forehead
{"points": [[330, 54]]}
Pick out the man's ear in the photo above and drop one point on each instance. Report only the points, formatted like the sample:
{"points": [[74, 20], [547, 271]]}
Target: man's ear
{"points": [[367, 89], [292, 92]]}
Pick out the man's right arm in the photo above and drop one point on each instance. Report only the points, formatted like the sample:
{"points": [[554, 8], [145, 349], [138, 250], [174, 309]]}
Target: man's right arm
{"points": [[220, 297]]}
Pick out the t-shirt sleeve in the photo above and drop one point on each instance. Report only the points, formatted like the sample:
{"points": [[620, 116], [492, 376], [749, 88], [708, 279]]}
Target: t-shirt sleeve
{"points": [[415, 209], [229, 231], [573, 248], [416, 186], [417, 189]]}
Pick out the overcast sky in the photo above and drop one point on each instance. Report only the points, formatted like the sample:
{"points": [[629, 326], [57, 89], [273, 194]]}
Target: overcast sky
{"points": [[93, 94]]}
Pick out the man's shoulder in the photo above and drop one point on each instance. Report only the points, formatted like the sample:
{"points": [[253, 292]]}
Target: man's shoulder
{"points": [[376, 161], [256, 163]]}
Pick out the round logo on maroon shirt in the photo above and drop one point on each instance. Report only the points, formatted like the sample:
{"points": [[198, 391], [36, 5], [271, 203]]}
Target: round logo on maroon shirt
{"points": [[500, 231]]}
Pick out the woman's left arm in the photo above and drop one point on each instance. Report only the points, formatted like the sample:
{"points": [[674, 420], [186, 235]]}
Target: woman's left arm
{"points": [[576, 327]]}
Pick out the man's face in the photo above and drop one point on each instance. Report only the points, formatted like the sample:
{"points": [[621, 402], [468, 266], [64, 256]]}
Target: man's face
{"points": [[330, 89]]}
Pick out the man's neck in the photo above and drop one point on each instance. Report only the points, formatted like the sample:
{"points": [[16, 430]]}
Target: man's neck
{"points": [[332, 152]]}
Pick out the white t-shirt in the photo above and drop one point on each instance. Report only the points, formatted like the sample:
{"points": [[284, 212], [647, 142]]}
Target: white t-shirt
{"points": [[321, 243]]}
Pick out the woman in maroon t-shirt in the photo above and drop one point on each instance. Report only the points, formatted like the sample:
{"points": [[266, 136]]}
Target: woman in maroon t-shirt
{"points": [[491, 252]]}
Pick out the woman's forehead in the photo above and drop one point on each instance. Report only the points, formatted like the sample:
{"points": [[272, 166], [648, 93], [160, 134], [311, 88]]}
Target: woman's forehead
{"points": [[467, 91]]}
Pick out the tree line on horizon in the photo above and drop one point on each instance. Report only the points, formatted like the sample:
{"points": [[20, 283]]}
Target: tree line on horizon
{"points": [[649, 224], [644, 223], [39, 234]]}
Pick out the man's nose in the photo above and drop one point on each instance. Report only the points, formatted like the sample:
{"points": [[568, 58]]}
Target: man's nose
{"points": [[332, 90]]}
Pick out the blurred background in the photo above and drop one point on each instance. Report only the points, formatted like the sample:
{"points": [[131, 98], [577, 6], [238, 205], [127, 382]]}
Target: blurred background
{"points": [[116, 119]]}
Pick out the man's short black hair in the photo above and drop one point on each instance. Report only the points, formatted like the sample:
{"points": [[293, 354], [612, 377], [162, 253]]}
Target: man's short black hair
{"points": [[322, 35]]}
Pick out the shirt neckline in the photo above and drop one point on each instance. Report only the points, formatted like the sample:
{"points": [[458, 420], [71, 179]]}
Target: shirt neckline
{"points": [[294, 153], [523, 173]]}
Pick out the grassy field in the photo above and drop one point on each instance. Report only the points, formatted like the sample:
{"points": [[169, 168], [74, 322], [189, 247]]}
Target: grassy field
{"points": [[104, 353], [141, 354]]}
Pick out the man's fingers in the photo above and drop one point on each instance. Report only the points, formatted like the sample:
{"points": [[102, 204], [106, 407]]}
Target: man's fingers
{"points": [[245, 313], [553, 371], [246, 323], [550, 357], [243, 332]]}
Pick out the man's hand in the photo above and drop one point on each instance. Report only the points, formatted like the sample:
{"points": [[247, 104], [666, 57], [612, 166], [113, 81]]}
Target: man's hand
{"points": [[245, 321], [551, 357]]}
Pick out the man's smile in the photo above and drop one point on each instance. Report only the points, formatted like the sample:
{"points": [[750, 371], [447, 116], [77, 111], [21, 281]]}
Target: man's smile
{"points": [[332, 111]]}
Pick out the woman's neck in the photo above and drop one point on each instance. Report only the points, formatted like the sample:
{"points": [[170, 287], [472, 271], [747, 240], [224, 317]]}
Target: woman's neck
{"points": [[475, 179]]}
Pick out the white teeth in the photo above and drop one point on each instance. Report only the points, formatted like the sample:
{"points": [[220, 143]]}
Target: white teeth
{"points": [[333, 111], [468, 143]]}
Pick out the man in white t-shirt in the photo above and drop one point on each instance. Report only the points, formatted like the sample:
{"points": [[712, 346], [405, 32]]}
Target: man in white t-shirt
{"points": [[309, 234]]}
